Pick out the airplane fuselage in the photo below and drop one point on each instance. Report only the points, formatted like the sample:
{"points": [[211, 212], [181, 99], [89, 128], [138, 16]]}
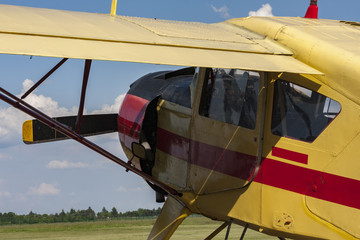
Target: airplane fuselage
{"points": [[275, 150]]}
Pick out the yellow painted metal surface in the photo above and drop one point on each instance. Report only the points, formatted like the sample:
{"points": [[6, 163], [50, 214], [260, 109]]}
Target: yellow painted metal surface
{"points": [[230, 138], [269, 209], [330, 46], [333, 152], [167, 168], [287, 212], [117, 38], [243, 205], [336, 217], [345, 164], [113, 7], [172, 215]]}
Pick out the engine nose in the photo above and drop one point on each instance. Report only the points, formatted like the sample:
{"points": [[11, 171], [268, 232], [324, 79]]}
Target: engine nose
{"points": [[137, 118], [130, 119]]}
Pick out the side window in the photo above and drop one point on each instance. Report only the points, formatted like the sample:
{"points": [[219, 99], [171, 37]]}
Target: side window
{"points": [[230, 95], [178, 91], [301, 113]]}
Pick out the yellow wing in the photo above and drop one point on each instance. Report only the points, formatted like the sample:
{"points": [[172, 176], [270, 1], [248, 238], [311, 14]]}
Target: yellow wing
{"points": [[66, 34]]}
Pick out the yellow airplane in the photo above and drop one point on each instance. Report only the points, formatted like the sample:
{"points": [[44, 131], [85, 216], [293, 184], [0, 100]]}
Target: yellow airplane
{"points": [[262, 130]]}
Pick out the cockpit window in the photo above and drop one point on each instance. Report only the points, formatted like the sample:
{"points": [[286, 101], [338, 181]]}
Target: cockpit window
{"points": [[181, 83], [178, 91], [230, 95], [301, 113]]}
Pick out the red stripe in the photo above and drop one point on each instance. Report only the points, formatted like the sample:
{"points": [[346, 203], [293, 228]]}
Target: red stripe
{"points": [[290, 155], [313, 183], [132, 106], [317, 184]]}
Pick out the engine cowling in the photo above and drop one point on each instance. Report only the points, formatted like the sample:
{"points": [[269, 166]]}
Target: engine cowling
{"points": [[137, 119]]}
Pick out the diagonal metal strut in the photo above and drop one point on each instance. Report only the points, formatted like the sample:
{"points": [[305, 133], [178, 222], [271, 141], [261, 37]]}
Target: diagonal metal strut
{"points": [[244, 231], [217, 231], [44, 78], [83, 93]]}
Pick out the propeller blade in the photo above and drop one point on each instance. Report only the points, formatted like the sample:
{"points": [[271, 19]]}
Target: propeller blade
{"points": [[34, 131]]}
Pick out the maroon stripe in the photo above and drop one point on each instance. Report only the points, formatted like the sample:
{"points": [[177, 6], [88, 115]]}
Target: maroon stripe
{"points": [[313, 183], [232, 163], [127, 127], [290, 155], [173, 144], [225, 161]]}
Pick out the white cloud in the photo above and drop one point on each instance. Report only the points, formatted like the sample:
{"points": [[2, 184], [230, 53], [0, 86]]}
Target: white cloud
{"points": [[44, 189], [26, 85], [11, 119], [5, 194], [45, 104], [224, 11], [114, 108], [10, 123], [65, 164], [264, 11], [20, 197]]}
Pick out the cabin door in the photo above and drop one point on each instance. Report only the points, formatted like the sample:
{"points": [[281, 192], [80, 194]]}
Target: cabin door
{"points": [[224, 142]]}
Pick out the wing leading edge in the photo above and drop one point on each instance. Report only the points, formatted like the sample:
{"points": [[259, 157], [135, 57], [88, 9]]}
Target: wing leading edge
{"points": [[66, 34]]}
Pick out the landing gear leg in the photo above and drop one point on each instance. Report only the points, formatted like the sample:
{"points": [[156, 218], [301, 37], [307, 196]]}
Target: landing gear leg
{"points": [[172, 215]]}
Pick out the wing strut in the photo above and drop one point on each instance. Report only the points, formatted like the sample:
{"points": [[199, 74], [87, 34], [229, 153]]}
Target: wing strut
{"points": [[83, 93], [44, 78], [26, 108]]}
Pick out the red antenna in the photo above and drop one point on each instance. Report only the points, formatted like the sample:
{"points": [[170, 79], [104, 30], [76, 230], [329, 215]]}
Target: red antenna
{"points": [[312, 11]]}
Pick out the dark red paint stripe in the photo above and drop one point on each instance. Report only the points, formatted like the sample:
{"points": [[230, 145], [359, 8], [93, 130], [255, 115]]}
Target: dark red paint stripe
{"points": [[230, 162], [313, 183], [173, 144], [290, 155], [128, 127]]}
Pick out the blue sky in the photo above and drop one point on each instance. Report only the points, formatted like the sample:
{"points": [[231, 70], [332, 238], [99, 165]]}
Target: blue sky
{"points": [[50, 177]]}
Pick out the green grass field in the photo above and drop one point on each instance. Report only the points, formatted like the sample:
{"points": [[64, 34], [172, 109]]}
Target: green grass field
{"points": [[192, 228]]}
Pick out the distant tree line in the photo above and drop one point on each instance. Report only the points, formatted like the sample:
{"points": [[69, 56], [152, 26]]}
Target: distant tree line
{"points": [[75, 216]]}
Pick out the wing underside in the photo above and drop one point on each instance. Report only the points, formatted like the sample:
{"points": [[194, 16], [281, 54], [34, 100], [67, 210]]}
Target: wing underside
{"points": [[66, 34]]}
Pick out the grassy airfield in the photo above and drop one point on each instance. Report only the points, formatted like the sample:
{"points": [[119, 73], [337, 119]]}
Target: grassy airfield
{"points": [[192, 228]]}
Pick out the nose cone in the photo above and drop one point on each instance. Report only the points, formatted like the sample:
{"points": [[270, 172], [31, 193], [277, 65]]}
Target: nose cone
{"points": [[130, 119]]}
